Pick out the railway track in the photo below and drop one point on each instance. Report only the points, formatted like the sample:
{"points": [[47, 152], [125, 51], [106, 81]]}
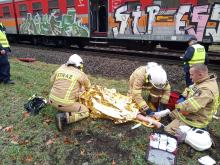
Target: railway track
{"points": [[160, 55]]}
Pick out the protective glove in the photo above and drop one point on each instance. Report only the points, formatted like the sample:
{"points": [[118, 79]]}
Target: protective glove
{"points": [[162, 113], [161, 107], [147, 111], [181, 99]]}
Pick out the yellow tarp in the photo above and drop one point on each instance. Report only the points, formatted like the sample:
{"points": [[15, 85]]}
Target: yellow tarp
{"points": [[109, 104]]}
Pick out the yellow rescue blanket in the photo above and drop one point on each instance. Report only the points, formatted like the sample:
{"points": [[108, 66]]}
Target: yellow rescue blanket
{"points": [[109, 104]]}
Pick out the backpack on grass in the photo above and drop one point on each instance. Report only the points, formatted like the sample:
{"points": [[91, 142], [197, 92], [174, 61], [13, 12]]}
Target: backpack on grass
{"points": [[35, 104]]}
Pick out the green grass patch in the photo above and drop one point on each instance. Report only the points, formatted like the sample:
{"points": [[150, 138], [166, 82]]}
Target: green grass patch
{"points": [[36, 140]]}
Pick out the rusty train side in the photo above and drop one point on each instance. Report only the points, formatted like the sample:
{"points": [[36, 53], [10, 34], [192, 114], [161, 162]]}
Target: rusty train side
{"points": [[131, 23]]}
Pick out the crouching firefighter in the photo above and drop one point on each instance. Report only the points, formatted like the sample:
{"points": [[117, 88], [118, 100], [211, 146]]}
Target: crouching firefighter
{"points": [[68, 82], [152, 79]]}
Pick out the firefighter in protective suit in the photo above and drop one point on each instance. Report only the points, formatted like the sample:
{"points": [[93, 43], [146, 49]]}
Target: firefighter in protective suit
{"points": [[68, 82], [151, 78], [201, 101]]}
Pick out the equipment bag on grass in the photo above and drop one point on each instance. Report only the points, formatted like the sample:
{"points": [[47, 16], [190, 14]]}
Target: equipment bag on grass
{"points": [[162, 149], [35, 104]]}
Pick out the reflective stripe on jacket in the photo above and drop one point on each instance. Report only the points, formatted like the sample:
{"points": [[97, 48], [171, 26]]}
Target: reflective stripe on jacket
{"points": [[3, 39], [198, 56], [68, 83], [138, 84], [201, 102]]}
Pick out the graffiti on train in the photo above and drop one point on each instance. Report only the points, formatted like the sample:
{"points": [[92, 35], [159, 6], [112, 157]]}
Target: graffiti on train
{"points": [[54, 24], [201, 21]]}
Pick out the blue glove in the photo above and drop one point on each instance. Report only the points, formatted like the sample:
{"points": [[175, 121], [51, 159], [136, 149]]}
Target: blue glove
{"points": [[181, 99], [149, 112], [161, 107]]}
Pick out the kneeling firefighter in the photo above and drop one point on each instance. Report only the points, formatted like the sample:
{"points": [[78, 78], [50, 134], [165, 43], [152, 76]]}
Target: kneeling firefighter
{"points": [[152, 79], [68, 82]]}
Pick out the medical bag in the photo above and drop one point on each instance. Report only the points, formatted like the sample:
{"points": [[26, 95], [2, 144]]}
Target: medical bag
{"points": [[174, 96], [162, 149]]}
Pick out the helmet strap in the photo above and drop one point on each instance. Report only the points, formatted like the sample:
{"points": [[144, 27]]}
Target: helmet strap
{"points": [[81, 67], [78, 67]]}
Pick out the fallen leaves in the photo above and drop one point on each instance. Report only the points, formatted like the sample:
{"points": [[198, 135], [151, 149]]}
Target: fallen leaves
{"points": [[8, 129], [90, 141], [25, 114], [49, 142], [47, 121], [82, 152], [15, 139], [113, 162], [28, 159], [67, 140]]}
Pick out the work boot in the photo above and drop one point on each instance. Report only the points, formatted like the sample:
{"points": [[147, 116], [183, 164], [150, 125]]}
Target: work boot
{"points": [[9, 82], [61, 121]]}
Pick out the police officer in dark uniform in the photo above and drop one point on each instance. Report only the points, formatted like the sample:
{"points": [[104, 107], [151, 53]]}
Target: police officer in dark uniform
{"points": [[4, 63], [195, 54]]}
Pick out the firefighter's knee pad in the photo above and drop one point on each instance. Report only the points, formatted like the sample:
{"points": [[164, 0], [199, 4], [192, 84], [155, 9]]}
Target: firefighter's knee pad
{"points": [[76, 116]]}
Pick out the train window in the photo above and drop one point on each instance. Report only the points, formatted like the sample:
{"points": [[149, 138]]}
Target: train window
{"points": [[37, 8], [23, 10], [6, 11], [167, 4], [157, 2], [132, 6], [70, 3], [202, 2], [52, 4]]}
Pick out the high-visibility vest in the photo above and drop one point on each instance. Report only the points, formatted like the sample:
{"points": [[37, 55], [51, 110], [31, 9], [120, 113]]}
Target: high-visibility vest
{"points": [[3, 39], [198, 56]]}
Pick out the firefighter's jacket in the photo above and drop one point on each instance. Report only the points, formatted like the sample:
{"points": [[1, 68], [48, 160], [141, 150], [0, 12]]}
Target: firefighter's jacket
{"points": [[202, 101], [68, 83], [139, 82]]}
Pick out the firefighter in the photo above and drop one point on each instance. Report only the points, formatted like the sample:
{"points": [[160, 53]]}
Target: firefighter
{"points": [[68, 82], [195, 54], [151, 78], [201, 101], [4, 63]]}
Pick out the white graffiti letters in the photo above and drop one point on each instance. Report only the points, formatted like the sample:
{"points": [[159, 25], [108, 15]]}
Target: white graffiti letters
{"points": [[180, 24], [152, 10], [200, 19], [123, 18], [136, 14], [215, 31]]}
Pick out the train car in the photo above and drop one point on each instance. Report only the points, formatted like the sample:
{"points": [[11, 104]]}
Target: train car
{"points": [[130, 23]]}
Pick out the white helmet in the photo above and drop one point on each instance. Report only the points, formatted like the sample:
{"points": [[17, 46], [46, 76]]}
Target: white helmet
{"points": [[156, 75], [198, 139], [76, 60]]}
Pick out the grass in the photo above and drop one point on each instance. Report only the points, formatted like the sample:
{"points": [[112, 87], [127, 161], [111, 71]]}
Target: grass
{"points": [[35, 139]]}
